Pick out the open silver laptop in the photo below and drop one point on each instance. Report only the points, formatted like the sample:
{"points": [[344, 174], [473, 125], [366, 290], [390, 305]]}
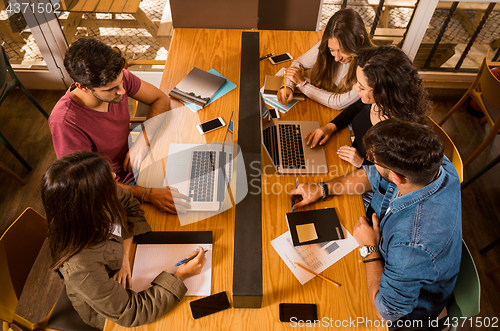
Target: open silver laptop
{"points": [[285, 143], [202, 171]]}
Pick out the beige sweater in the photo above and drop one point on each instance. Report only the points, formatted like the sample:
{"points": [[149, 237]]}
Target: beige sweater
{"points": [[328, 99]]}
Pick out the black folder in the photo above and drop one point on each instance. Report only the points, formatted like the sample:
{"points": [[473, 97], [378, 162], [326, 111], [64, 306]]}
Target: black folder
{"points": [[175, 237], [325, 221]]}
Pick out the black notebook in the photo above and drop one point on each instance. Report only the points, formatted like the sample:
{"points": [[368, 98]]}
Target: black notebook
{"points": [[197, 87], [314, 226]]}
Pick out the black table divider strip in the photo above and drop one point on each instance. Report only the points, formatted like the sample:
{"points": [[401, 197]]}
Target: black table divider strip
{"points": [[247, 269]]}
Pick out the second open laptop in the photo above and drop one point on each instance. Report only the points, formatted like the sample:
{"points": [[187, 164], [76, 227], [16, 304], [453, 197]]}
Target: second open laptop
{"points": [[202, 171], [285, 143]]}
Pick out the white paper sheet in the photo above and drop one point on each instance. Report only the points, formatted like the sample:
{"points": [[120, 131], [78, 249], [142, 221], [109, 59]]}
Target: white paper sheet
{"points": [[316, 257], [151, 259]]}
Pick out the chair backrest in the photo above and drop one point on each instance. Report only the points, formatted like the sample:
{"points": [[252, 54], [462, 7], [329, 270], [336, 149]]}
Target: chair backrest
{"points": [[3, 66], [19, 248], [450, 150], [489, 83], [466, 302]]}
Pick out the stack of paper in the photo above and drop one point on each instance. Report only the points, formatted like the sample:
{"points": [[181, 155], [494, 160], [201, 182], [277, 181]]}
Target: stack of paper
{"points": [[316, 257], [151, 260], [273, 102]]}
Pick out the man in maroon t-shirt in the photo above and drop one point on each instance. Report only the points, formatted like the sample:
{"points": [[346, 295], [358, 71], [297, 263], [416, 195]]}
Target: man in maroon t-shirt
{"points": [[93, 115]]}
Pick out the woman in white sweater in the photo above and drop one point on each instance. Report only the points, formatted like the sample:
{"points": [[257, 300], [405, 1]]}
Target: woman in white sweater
{"points": [[333, 63]]}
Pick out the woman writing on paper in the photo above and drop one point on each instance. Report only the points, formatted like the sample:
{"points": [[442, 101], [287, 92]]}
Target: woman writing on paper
{"points": [[90, 220], [389, 86], [333, 63]]}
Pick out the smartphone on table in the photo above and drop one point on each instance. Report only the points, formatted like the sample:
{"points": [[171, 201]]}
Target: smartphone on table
{"points": [[294, 312], [209, 305], [210, 125], [280, 58], [274, 113]]}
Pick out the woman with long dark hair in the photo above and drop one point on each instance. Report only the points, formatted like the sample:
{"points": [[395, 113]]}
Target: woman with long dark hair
{"points": [[332, 62], [91, 223], [389, 86]]}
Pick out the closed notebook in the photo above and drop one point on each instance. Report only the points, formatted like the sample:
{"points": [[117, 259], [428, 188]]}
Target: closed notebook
{"points": [[197, 87], [272, 84], [314, 226]]}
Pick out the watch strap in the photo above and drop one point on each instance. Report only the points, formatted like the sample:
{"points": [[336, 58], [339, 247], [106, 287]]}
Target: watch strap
{"points": [[324, 189]]}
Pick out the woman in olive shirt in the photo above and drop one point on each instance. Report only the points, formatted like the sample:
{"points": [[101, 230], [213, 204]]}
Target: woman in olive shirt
{"points": [[89, 221]]}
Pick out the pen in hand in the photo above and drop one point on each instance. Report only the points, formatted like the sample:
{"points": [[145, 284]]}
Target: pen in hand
{"points": [[284, 78], [186, 260], [296, 186]]}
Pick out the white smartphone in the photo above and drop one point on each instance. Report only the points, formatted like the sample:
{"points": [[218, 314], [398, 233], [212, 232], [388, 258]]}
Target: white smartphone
{"points": [[280, 58], [211, 125]]}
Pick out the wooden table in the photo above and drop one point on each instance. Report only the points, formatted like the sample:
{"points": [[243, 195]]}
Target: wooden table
{"points": [[220, 49], [77, 8]]}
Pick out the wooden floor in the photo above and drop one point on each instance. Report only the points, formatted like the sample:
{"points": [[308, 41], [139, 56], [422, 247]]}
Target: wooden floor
{"points": [[23, 125]]}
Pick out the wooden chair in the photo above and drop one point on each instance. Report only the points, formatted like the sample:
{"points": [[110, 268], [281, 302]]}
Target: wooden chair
{"points": [[20, 246], [488, 99], [465, 301], [450, 150]]}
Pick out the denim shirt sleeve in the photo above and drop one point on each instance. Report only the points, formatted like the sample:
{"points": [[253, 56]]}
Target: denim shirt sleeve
{"points": [[373, 176], [407, 268]]}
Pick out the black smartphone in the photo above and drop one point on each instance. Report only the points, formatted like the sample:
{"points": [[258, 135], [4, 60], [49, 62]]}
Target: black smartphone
{"points": [[209, 305], [280, 58], [274, 113], [294, 312]]}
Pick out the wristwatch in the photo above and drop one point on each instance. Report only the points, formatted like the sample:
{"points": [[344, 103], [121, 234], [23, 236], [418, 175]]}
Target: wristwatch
{"points": [[364, 251]]}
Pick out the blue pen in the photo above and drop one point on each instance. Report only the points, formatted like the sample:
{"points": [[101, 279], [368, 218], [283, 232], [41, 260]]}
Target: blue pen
{"points": [[186, 260], [296, 185]]}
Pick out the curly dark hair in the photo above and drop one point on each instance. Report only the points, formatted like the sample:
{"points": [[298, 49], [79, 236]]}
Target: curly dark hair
{"points": [[397, 87], [92, 63], [347, 26], [407, 148]]}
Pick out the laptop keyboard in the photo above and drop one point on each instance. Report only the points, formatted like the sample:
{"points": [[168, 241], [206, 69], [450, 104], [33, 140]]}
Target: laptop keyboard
{"points": [[292, 152], [201, 185]]}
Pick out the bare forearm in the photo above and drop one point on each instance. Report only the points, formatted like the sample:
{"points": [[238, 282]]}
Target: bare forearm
{"points": [[127, 243], [161, 105], [138, 191], [353, 183]]}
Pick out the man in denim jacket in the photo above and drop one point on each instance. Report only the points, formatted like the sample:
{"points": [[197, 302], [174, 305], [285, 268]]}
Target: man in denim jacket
{"points": [[412, 245]]}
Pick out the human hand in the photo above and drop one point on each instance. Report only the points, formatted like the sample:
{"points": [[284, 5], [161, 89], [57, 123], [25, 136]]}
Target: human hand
{"points": [[351, 155], [137, 152], [281, 95], [192, 267], [320, 135], [168, 199], [296, 75], [305, 194], [124, 276], [366, 234]]}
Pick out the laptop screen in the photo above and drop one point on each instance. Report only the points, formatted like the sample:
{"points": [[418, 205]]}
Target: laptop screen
{"points": [[268, 137]]}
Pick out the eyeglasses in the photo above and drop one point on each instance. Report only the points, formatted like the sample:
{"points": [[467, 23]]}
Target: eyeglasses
{"points": [[369, 157]]}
